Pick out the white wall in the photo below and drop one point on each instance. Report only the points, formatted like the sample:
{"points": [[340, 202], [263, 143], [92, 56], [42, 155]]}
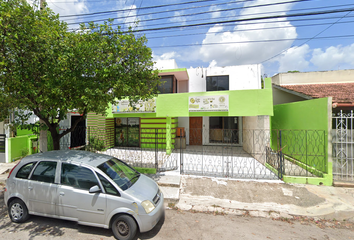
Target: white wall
{"points": [[184, 122], [197, 79], [339, 76], [240, 77], [165, 64]]}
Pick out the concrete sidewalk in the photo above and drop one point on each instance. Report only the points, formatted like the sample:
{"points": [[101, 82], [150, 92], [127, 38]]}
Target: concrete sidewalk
{"points": [[5, 168], [266, 198]]}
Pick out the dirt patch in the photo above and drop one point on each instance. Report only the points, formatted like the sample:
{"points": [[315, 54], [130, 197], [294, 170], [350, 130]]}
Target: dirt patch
{"points": [[252, 192]]}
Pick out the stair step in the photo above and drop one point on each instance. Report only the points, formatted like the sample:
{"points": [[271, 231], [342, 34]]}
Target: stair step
{"points": [[171, 194], [167, 180]]}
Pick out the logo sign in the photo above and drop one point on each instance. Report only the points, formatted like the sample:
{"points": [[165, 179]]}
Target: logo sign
{"points": [[218, 103], [140, 106]]}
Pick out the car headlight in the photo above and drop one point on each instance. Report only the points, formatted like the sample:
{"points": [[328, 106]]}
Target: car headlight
{"points": [[148, 206]]}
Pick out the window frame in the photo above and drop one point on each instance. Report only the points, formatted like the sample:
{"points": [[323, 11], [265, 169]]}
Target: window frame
{"points": [[30, 173], [173, 83], [217, 84], [79, 166], [36, 166]]}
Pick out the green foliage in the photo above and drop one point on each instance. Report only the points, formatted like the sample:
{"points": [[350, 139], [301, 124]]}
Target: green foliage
{"points": [[145, 170], [295, 71], [49, 71], [24, 152], [96, 144]]}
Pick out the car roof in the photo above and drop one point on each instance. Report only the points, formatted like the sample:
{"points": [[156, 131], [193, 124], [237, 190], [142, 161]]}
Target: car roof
{"points": [[75, 156]]}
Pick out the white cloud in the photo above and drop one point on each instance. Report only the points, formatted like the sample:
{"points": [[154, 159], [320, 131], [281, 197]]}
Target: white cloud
{"points": [[68, 7], [165, 56], [333, 58], [294, 59], [177, 18], [216, 13], [129, 16], [247, 53], [213, 64]]}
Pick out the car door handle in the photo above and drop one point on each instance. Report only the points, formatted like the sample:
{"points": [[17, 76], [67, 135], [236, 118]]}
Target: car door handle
{"points": [[61, 193], [30, 188]]}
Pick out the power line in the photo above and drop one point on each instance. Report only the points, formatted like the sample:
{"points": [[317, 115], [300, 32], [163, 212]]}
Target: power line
{"points": [[249, 29], [143, 8], [250, 19], [252, 41], [308, 39], [245, 15], [194, 14]]}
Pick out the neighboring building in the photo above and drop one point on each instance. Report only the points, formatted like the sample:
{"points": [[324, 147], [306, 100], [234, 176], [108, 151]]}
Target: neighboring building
{"points": [[213, 106], [293, 87], [338, 86]]}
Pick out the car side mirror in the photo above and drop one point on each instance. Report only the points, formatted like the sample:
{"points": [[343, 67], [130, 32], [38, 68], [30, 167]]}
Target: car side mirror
{"points": [[95, 189]]}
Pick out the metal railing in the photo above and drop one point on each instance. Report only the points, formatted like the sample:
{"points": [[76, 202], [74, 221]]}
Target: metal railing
{"points": [[343, 146]]}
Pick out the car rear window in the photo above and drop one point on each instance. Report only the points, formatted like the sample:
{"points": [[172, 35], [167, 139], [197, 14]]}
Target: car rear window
{"points": [[25, 170]]}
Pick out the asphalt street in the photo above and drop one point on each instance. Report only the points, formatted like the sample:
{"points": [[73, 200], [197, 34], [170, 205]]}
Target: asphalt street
{"points": [[184, 225]]}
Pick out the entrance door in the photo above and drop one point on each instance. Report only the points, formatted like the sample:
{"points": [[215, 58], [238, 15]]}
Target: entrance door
{"points": [[78, 136], [223, 130], [2, 147], [195, 130]]}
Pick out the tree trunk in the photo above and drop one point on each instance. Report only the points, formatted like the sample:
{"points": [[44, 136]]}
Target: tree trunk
{"points": [[56, 138]]}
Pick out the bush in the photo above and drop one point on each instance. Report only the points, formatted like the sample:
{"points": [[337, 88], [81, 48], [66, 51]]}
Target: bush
{"points": [[95, 144]]}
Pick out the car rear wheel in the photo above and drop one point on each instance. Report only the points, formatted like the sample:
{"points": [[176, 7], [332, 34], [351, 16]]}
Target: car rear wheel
{"points": [[124, 227], [18, 211]]}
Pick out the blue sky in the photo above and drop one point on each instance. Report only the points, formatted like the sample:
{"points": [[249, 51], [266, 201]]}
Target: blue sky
{"points": [[314, 43]]}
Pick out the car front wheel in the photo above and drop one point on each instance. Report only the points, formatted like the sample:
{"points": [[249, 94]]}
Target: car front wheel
{"points": [[18, 211], [124, 227]]}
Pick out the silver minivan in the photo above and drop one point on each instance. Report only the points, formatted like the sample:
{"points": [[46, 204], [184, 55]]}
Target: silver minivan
{"points": [[92, 189]]}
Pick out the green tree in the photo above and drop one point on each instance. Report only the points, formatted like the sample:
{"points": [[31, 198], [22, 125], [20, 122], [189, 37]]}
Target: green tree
{"points": [[48, 70]]}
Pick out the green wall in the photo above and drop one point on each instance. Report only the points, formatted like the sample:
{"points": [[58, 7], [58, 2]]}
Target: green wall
{"points": [[310, 115], [304, 131], [21, 146], [149, 127], [241, 103]]}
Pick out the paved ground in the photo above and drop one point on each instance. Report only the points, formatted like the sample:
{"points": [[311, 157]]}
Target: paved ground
{"points": [[266, 199], [185, 225]]}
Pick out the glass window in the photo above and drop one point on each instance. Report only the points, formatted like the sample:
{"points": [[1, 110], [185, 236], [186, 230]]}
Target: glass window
{"points": [[108, 187], [122, 174], [127, 132], [78, 177], [25, 170], [217, 83], [166, 85], [45, 172]]}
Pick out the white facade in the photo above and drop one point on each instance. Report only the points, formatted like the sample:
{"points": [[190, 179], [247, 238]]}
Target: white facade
{"points": [[338, 76], [240, 77], [165, 64]]}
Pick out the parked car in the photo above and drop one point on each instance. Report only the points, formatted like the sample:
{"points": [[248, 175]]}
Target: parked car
{"points": [[92, 189]]}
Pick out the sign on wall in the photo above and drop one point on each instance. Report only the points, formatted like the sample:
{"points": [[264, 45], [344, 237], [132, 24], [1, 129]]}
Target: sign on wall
{"points": [[141, 106], [218, 103]]}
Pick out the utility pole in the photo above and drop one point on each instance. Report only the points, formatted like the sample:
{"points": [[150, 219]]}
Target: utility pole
{"points": [[42, 4]]}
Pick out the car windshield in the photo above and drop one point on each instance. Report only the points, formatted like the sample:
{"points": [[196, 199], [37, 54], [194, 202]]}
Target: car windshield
{"points": [[121, 173]]}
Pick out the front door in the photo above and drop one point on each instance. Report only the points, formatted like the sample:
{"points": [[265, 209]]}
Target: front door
{"points": [[78, 136], [195, 130]]}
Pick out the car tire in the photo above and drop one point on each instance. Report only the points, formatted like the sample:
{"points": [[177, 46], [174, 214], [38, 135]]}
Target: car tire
{"points": [[18, 211], [124, 227]]}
